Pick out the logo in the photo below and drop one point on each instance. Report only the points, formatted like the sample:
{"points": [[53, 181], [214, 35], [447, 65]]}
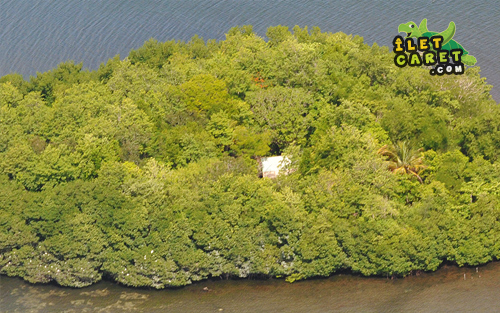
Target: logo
{"points": [[431, 48]]}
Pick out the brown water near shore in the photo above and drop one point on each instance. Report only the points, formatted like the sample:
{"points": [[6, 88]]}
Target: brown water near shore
{"points": [[443, 291]]}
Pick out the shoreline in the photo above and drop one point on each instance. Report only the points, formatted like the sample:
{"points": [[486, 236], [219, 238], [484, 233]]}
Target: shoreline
{"points": [[442, 290], [444, 267]]}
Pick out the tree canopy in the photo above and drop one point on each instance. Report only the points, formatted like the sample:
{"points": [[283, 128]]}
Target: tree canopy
{"points": [[146, 170]]}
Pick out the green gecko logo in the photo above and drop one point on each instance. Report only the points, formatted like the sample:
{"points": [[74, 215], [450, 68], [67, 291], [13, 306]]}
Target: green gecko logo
{"points": [[431, 49]]}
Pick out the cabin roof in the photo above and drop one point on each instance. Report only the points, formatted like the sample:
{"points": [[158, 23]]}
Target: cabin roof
{"points": [[272, 166]]}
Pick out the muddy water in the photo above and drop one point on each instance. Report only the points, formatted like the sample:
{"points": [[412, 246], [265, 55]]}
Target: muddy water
{"points": [[443, 291]]}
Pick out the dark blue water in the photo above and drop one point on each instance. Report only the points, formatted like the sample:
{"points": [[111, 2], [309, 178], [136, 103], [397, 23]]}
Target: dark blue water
{"points": [[37, 35]]}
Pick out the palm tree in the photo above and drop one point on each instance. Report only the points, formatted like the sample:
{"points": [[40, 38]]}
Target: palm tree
{"points": [[403, 159]]}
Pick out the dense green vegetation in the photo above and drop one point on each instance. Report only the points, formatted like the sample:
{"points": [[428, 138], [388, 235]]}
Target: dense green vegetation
{"points": [[146, 170]]}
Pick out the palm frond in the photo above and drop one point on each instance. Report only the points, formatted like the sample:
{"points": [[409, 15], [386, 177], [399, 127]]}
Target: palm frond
{"points": [[403, 159]]}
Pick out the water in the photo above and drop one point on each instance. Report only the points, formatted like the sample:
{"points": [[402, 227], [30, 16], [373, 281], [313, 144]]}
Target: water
{"points": [[442, 291], [36, 35]]}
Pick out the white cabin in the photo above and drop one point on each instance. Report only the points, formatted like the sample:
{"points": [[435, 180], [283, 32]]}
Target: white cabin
{"points": [[273, 166]]}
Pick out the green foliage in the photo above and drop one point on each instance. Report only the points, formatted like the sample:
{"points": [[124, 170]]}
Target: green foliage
{"points": [[154, 53], [339, 148], [146, 170], [205, 93], [284, 113], [57, 80], [278, 34]]}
